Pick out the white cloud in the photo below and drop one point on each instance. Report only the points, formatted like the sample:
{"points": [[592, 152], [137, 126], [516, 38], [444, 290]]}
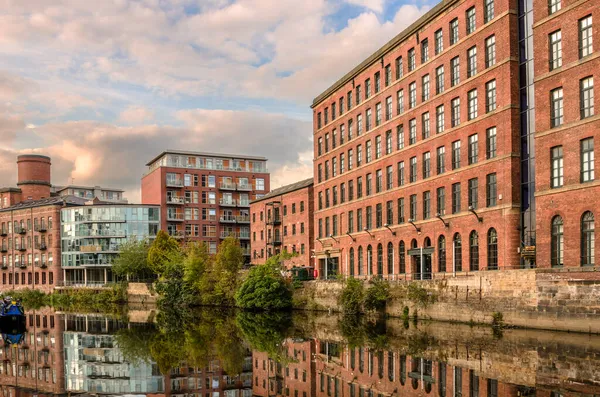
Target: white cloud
{"points": [[136, 115]]}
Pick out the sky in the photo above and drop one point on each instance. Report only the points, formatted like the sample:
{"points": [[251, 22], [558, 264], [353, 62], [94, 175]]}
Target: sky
{"points": [[103, 86]]}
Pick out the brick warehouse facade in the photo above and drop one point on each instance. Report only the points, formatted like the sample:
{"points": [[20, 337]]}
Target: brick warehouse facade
{"points": [[205, 196], [426, 126], [283, 220]]}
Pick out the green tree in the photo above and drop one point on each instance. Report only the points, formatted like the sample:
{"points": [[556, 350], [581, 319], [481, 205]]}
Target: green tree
{"points": [[197, 261], [266, 288], [165, 256], [132, 260], [352, 296], [377, 295], [220, 280]]}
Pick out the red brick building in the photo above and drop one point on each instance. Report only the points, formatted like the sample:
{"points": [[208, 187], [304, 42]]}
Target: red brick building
{"points": [[205, 196], [283, 220], [417, 166]]}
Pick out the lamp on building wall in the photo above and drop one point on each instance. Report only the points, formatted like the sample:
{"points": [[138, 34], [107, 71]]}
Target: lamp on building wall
{"points": [[334, 239], [348, 233], [388, 227], [367, 230], [319, 240], [439, 216], [412, 222], [479, 218]]}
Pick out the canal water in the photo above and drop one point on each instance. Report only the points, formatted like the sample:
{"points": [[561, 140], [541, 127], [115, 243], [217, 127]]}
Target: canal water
{"points": [[237, 354]]}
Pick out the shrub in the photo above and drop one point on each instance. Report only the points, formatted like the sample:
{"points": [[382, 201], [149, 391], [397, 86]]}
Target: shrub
{"points": [[265, 288], [352, 297], [377, 295], [420, 295]]}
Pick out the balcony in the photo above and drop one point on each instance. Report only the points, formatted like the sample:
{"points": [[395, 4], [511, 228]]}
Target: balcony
{"points": [[246, 251], [176, 234], [174, 217], [227, 219], [227, 203], [22, 265], [175, 183], [20, 230], [4, 248], [274, 220], [43, 247], [243, 219], [246, 187], [22, 248], [175, 200], [274, 241], [227, 186], [225, 234], [244, 236], [4, 266], [41, 265], [244, 203], [3, 232], [41, 228]]}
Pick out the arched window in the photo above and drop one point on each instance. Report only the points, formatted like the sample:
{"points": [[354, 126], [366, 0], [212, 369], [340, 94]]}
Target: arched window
{"points": [[427, 242], [457, 252], [413, 243], [379, 259], [492, 249], [402, 252], [402, 362], [369, 260], [474, 251], [351, 264], [442, 254], [587, 239], [390, 258], [557, 242], [360, 261]]}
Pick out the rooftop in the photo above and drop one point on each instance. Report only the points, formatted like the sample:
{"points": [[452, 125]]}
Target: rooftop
{"points": [[286, 189], [55, 200], [61, 188], [207, 154], [389, 46]]}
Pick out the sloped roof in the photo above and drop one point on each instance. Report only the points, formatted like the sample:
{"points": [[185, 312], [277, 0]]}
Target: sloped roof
{"points": [[287, 189], [55, 200]]}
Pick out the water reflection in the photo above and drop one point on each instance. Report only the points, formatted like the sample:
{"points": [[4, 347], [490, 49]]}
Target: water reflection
{"points": [[211, 354]]}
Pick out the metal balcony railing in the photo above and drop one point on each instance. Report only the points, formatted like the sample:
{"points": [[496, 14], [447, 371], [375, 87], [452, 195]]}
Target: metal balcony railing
{"points": [[244, 203], [175, 217], [243, 219], [227, 186], [244, 187], [274, 220], [175, 183], [227, 219], [175, 200], [225, 234], [227, 203]]}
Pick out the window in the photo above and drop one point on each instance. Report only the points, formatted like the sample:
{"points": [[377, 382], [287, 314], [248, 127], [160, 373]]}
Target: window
{"points": [[441, 161], [326, 142], [412, 131], [557, 242], [399, 67], [401, 210], [359, 188], [473, 148], [326, 116], [369, 183], [358, 94], [472, 97], [441, 201], [400, 137], [389, 177], [360, 269], [454, 71], [378, 216], [490, 143], [341, 105], [439, 80], [490, 96], [369, 119], [359, 124], [455, 116], [587, 160], [319, 120], [471, 61], [455, 155], [588, 242], [351, 261], [401, 173], [320, 146], [333, 114], [585, 37], [369, 217], [378, 114], [359, 155], [326, 170], [471, 23], [473, 193], [412, 95], [369, 153], [586, 89], [457, 252], [553, 6], [413, 169], [424, 50], [388, 142], [377, 82], [260, 184], [400, 100], [440, 124], [350, 129], [349, 100], [388, 108], [454, 31], [342, 192], [555, 50], [333, 138], [413, 207], [426, 165], [367, 88], [491, 190], [425, 88], [557, 166], [439, 41], [334, 168], [556, 111], [342, 163], [490, 51], [350, 159], [492, 249], [411, 60], [350, 221], [389, 217], [455, 198], [402, 252], [425, 125], [378, 181], [426, 204], [488, 11], [441, 255], [388, 75], [474, 251]]}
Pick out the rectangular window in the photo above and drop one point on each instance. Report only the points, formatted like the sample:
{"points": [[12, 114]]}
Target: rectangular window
{"points": [[367, 88], [401, 173], [490, 51], [555, 50], [587, 160], [425, 88], [342, 193], [377, 82], [342, 163], [553, 6], [388, 108], [358, 94], [439, 80], [471, 61], [488, 11], [425, 125], [412, 131], [424, 50], [490, 96], [369, 152], [389, 177], [473, 148], [368, 184], [454, 31], [378, 181], [426, 165], [399, 68], [400, 137], [350, 190], [439, 118], [470, 18], [472, 97], [333, 113], [350, 221], [441, 201], [388, 142], [586, 89], [359, 155], [473, 193], [369, 217], [400, 102], [413, 207], [341, 105], [359, 124], [401, 210], [350, 129], [389, 213], [359, 187], [556, 109], [585, 37], [333, 138], [557, 166], [491, 191], [413, 169], [342, 133], [326, 116], [369, 119], [426, 204], [455, 155], [388, 75], [439, 41], [349, 99], [455, 198], [350, 159], [334, 168], [326, 142], [378, 114], [412, 95], [441, 160], [359, 220], [378, 215], [412, 62], [319, 120], [455, 119], [490, 143], [454, 71]]}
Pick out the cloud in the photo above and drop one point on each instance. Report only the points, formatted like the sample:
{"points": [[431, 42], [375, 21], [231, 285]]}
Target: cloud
{"points": [[136, 115]]}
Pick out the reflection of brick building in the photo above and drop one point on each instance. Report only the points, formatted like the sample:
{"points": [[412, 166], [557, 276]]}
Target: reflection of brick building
{"points": [[283, 220]]}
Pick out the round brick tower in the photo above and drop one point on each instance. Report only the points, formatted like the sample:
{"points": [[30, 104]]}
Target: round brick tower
{"points": [[33, 176]]}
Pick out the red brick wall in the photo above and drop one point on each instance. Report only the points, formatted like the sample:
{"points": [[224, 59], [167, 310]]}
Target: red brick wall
{"points": [[32, 168]]}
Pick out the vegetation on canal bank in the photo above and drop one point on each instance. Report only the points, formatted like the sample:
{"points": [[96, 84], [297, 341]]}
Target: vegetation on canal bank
{"points": [[107, 300], [356, 299]]}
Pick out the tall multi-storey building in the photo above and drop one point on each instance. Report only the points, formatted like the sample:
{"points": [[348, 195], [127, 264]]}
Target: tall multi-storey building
{"points": [[417, 167], [205, 196], [283, 219]]}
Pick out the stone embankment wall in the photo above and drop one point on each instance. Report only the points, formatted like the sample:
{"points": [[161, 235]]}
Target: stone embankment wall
{"points": [[141, 294], [567, 300]]}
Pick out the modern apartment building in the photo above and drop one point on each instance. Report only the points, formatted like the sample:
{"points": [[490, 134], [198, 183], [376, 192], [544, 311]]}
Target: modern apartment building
{"points": [[205, 196], [417, 150], [91, 192], [283, 220]]}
